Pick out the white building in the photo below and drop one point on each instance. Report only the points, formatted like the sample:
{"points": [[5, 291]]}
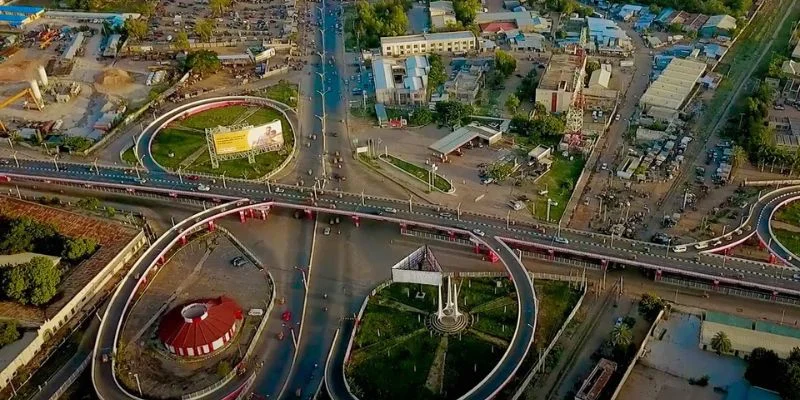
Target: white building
{"points": [[447, 42], [671, 89], [401, 81], [442, 14], [607, 37]]}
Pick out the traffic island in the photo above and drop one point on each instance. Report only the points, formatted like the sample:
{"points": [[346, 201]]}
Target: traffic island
{"points": [[246, 140], [431, 342], [190, 329], [426, 175]]}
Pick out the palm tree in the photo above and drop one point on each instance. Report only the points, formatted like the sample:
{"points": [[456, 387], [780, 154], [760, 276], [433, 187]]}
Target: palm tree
{"points": [[721, 343], [621, 336]]}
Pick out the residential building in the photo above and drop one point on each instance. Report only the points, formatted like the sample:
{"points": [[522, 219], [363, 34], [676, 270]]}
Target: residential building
{"points": [[607, 37], [401, 81], [628, 11], [786, 129], [442, 14], [791, 68], [446, 42], [527, 42], [574, 33], [717, 25], [694, 22], [464, 87], [599, 95], [671, 89], [561, 81], [525, 21]]}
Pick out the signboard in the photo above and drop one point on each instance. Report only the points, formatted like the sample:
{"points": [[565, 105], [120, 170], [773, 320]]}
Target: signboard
{"points": [[269, 135], [362, 149]]}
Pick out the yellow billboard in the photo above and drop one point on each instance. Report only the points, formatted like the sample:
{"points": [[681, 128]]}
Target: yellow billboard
{"points": [[269, 135]]}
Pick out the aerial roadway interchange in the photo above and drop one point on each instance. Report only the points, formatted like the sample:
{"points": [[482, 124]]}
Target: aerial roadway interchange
{"points": [[320, 349]]}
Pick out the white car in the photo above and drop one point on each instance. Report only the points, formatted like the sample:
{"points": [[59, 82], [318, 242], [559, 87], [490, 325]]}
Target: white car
{"points": [[203, 188], [279, 190], [478, 232], [390, 210], [559, 239]]}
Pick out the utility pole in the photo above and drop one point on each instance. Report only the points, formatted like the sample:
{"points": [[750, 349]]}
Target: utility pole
{"points": [[96, 170], [269, 188], [409, 204], [16, 161], [224, 184], [55, 162], [180, 177]]}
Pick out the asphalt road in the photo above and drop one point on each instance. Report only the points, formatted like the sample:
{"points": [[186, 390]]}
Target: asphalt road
{"points": [[626, 251]]}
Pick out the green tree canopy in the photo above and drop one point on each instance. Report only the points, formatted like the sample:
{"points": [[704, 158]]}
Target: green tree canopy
{"points": [[136, 28], [202, 61], [9, 332], [437, 76], [204, 28], [382, 18], [34, 282], [78, 249], [218, 7], [621, 336], [451, 113], [512, 103], [182, 40], [650, 305], [721, 343], [466, 10], [505, 63]]}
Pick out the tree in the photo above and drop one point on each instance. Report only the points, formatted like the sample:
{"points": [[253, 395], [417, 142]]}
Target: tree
{"points": [[775, 69], [437, 76], [621, 336], [182, 40], [223, 369], [591, 66], [675, 28], [9, 332], [219, 6], [451, 113], [78, 249], [136, 28], [202, 61], [721, 343], [204, 28], [739, 156], [499, 171], [765, 369], [512, 103], [88, 203], [23, 234], [34, 282], [650, 305], [421, 117], [466, 10], [505, 63]]}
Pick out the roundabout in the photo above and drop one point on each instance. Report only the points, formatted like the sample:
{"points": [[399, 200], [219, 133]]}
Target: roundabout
{"points": [[240, 137]]}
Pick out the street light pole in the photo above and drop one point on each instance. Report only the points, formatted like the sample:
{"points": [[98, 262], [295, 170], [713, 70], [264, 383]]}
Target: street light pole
{"points": [[224, 184], [96, 170], [458, 212], [55, 162], [15, 159], [269, 188], [409, 204], [548, 209]]}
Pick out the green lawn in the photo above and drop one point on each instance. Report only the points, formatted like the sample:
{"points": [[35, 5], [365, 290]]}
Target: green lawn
{"points": [[420, 173], [556, 301], [790, 240], [469, 360], [406, 293], [349, 20], [789, 213], [129, 156], [478, 291], [392, 376], [388, 322], [559, 182], [500, 320], [283, 91], [184, 138]]}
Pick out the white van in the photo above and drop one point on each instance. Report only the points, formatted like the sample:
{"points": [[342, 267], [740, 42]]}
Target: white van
{"points": [[701, 245], [679, 249]]}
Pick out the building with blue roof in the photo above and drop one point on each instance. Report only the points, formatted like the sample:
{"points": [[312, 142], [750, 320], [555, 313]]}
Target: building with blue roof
{"points": [[628, 11], [18, 16], [663, 16], [644, 22], [14, 21], [607, 36]]}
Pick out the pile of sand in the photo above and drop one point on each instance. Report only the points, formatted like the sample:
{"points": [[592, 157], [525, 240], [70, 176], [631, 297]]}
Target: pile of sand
{"points": [[114, 77]]}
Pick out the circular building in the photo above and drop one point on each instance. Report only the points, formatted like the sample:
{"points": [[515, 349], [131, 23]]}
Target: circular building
{"points": [[200, 327]]}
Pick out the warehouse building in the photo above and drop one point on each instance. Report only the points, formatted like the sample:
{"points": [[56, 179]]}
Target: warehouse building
{"points": [[718, 25], [448, 42], [561, 81], [670, 90]]}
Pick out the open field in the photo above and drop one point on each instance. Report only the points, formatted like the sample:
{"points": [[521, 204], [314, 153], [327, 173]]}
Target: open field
{"points": [[283, 91], [182, 143], [559, 182], [789, 213], [789, 239]]}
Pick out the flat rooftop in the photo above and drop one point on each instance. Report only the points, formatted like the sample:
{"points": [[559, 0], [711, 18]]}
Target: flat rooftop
{"points": [[672, 88], [444, 36], [562, 72]]}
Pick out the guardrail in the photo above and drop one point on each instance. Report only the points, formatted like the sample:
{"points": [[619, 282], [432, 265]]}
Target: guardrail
{"points": [[72, 378], [772, 234]]}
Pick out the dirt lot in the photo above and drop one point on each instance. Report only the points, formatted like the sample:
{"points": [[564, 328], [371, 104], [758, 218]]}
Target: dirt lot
{"points": [[649, 383], [201, 270]]}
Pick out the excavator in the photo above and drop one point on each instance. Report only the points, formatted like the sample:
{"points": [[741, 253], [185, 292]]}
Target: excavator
{"points": [[25, 92]]}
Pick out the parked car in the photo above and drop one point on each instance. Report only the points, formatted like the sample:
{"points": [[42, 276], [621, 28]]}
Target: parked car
{"points": [[203, 188]]}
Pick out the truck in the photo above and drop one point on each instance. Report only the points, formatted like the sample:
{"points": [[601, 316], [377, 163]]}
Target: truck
{"points": [[626, 63]]}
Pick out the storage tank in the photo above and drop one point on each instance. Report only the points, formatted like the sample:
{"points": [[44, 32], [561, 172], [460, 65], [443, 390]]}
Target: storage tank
{"points": [[43, 76], [37, 94]]}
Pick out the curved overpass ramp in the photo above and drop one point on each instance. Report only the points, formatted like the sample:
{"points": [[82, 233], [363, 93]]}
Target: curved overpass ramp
{"points": [[108, 387]]}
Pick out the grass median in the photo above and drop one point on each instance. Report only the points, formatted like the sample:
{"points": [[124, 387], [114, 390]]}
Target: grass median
{"points": [[183, 143], [420, 173], [559, 183]]}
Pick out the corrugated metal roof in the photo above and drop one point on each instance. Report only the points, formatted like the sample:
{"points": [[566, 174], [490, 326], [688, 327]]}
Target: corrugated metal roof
{"points": [[21, 9], [13, 18]]}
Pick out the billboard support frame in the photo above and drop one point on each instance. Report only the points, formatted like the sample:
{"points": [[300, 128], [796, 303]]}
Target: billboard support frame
{"points": [[250, 154]]}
